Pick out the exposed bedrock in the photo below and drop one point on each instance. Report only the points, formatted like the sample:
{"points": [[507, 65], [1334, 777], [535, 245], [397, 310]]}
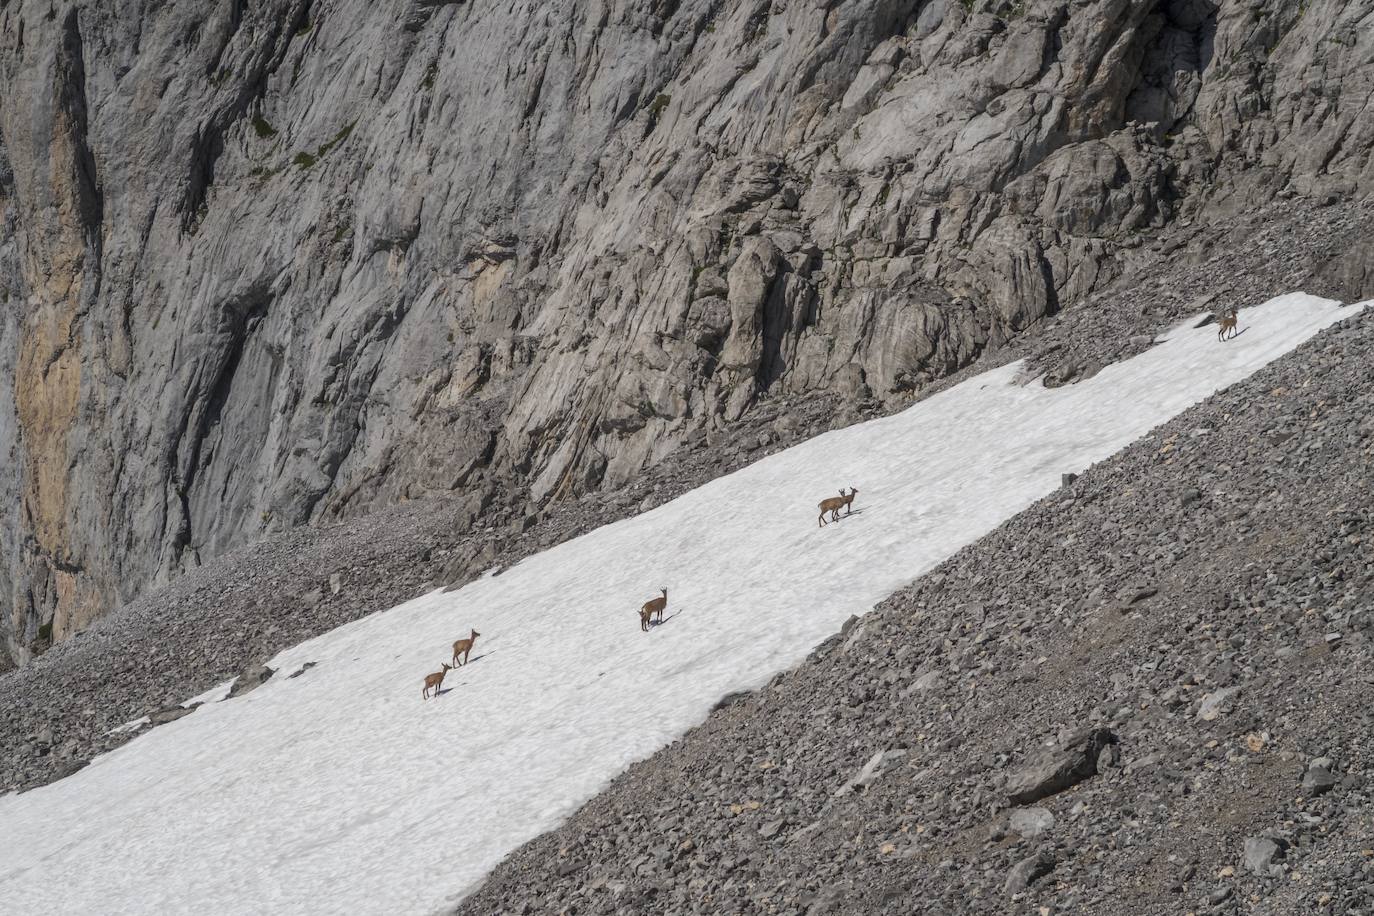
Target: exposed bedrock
{"points": [[266, 264]]}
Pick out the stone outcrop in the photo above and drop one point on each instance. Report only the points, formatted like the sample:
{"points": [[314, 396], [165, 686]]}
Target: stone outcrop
{"points": [[269, 264]]}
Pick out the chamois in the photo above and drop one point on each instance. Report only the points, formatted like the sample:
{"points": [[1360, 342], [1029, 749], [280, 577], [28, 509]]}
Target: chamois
{"points": [[463, 647], [1227, 323], [435, 680], [650, 608], [833, 504]]}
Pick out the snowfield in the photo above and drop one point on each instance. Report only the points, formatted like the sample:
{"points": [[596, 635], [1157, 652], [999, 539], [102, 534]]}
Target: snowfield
{"points": [[341, 791]]}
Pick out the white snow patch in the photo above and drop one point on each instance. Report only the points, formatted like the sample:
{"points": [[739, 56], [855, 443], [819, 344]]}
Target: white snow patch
{"points": [[343, 792]]}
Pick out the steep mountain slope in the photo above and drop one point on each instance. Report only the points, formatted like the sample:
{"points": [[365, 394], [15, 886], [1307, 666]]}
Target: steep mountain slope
{"points": [[341, 776], [228, 616], [1149, 693], [295, 259]]}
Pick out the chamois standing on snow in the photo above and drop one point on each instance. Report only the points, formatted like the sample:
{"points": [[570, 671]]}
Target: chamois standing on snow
{"points": [[1226, 323], [650, 608], [834, 504], [463, 647], [435, 681]]}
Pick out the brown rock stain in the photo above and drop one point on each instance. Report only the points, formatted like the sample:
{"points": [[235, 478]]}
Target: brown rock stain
{"points": [[49, 373]]}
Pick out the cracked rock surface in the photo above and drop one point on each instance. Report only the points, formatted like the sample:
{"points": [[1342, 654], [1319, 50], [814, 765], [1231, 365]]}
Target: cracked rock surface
{"points": [[295, 261]]}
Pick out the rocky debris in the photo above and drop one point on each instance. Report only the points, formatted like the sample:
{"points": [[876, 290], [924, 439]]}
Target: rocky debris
{"points": [[855, 199], [1141, 594], [43, 738], [1262, 854], [927, 681], [170, 714], [1318, 778], [1055, 769], [731, 698], [874, 768], [1036, 654], [1030, 823], [1029, 870], [1216, 703], [251, 678]]}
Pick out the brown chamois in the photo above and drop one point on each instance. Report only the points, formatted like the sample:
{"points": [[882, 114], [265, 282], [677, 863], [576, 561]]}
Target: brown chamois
{"points": [[463, 647], [834, 503], [435, 680], [1227, 323], [650, 608]]}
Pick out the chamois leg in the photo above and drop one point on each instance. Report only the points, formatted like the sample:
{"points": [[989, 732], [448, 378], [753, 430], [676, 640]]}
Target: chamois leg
{"points": [[820, 522]]}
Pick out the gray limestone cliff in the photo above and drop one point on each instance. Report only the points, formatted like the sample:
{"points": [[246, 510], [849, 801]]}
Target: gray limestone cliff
{"points": [[271, 262]]}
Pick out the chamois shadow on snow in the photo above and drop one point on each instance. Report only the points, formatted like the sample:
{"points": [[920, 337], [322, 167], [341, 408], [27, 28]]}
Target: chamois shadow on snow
{"points": [[463, 667], [655, 624]]}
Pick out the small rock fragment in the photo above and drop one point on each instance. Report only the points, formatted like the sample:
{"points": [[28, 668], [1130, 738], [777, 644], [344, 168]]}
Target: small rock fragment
{"points": [[1318, 779], [1215, 703], [1029, 870], [1031, 822], [302, 669], [1056, 769], [171, 714], [771, 829], [871, 771], [928, 681], [1261, 852], [254, 676]]}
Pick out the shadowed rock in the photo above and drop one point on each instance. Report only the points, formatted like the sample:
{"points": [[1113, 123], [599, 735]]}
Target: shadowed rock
{"points": [[1053, 770]]}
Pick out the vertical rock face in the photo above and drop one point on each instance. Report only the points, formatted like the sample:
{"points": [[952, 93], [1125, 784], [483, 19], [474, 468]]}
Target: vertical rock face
{"points": [[274, 261]]}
